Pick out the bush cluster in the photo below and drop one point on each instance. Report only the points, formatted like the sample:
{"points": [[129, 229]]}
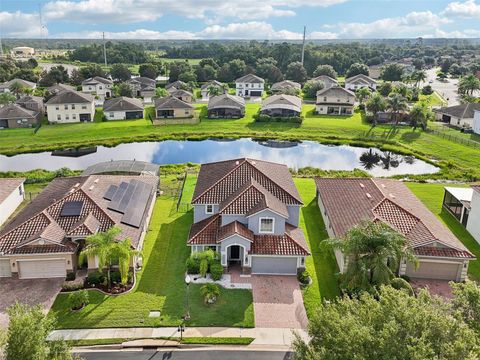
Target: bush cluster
{"points": [[267, 118]]}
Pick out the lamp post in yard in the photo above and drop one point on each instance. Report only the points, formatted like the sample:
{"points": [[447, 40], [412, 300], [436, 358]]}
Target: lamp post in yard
{"points": [[181, 327]]}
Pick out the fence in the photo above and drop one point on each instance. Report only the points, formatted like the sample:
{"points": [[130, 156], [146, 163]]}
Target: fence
{"points": [[455, 138]]}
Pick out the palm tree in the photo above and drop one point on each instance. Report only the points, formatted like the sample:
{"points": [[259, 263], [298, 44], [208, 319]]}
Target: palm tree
{"points": [[369, 159], [468, 85], [210, 292], [376, 104], [109, 250], [17, 88], [214, 90], [419, 116], [7, 98], [418, 77], [363, 94], [397, 103], [374, 251]]}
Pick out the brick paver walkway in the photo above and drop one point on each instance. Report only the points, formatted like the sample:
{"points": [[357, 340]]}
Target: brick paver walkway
{"points": [[277, 301]]}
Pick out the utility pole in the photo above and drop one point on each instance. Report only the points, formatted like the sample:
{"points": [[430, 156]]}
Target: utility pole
{"points": [[41, 25], [303, 44], [1, 45], [104, 49]]}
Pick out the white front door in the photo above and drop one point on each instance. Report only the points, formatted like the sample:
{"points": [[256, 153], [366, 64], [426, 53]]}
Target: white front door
{"points": [[38, 269], [5, 270]]}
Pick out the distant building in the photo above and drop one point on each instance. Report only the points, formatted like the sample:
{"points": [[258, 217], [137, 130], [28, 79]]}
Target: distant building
{"points": [[31, 102], [55, 89], [123, 108], [5, 87], [176, 85], [458, 115], [226, 106], [170, 108], [23, 52], [143, 87], [282, 106], [360, 81], [284, 85], [327, 81], [15, 116], [11, 196], [98, 86], [204, 90], [183, 95], [249, 86], [476, 122]]}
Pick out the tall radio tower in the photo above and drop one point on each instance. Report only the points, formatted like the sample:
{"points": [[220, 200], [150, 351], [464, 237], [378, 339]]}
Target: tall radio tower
{"points": [[303, 44], [104, 48]]}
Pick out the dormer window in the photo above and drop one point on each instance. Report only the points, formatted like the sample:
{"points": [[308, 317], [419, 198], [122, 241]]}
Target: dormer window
{"points": [[209, 209], [266, 225]]}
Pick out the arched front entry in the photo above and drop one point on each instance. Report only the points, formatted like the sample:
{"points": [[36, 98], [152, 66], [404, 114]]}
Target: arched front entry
{"points": [[235, 255]]}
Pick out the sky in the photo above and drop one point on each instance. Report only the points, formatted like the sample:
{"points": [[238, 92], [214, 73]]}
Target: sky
{"points": [[240, 19]]}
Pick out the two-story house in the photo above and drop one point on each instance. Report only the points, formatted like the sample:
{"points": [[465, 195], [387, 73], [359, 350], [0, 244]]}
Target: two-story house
{"points": [[143, 87], [206, 89], [70, 106], [248, 211], [360, 81], [98, 86], [249, 86], [335, 100]]}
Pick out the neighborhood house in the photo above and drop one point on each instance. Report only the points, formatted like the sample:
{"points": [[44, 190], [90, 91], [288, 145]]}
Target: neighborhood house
{"points": [[12, 194], [206, 89], [5, 87], [16, 116], [459, 115], [360, 81], [327, 81], [123, 108], [46, 237], [226, 106], [249, 86], [335, 101], [143, 87], [248, 211], [98, 86], [70, 107], [285, 85], [281, 106], [344, 203], [170, 107]]}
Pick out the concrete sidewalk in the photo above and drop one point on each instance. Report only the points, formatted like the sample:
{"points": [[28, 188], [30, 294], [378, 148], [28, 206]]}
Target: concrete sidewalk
{"points": [[262, 336]]}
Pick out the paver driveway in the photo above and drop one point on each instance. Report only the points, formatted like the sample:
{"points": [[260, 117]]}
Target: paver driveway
{"points": [[30, 292], [435, 287], [277, 301]]}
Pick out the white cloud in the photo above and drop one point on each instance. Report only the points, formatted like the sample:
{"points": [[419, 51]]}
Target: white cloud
{"points": [[468, 10], [20, 25], [467, 33], [411, 25], [322, 35], [135, 11], [248, 30]]}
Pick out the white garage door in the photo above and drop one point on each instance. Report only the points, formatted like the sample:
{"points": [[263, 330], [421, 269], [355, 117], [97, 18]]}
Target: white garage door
{"points": [[37, 269], [433, 270], [5, 270], [274, 265]]}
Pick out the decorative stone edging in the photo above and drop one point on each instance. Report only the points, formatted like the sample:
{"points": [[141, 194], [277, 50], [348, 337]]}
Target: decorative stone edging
{"points": [[224, 282], [107, 293]]}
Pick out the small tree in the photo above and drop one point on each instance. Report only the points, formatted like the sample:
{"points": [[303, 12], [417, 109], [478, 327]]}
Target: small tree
{"points": [[397, 103], [363, 94], [357, 69], [311, 87], [27, 336], [7, 98], [123, 89], [327, 70], [375, 105], [419, 115], [17, 89], [78, 299], [210, 292], [120, 72]]}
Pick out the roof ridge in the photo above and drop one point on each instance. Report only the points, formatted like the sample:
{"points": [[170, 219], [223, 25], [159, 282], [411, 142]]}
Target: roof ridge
{"points": [[240, 194], [213, 218]]}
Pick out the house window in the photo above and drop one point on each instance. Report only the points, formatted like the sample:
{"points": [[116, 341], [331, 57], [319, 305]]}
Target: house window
{"points": [[324, 98], [209, 209], [73, 106], [74, 116], [100, 87], [59, 117], [57, 108], [214, 248], [302, 261], [111, 115], [84, 107], [266, 225], [65, 107], [66, 117], [20, 190], [246, 85]]}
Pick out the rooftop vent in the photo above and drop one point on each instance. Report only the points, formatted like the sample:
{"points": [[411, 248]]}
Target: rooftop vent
{"points": [[383, 186], [96, 181], [76, 185], [237, 162], [253, 162], [362, 186], [91, 187], [368, 195], [392, 196]]}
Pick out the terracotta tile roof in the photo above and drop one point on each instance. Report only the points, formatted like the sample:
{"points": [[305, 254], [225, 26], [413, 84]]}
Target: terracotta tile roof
{"points": [[209, 232], [476, 188], [9, 185], [42, 219], [217, 181], [349, 201], [442, 252]]}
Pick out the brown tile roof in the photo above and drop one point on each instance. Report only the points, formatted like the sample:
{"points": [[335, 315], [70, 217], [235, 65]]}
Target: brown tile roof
{"points": [[42, 218], [441, 252], [349, 201], [209, 231], [219, 180], [9, 185], [476, 188]]}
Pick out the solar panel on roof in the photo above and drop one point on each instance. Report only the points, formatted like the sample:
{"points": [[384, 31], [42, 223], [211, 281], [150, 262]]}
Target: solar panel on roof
{"points": [[134, 214], [72, 208], [117, 197], [110, 192]]}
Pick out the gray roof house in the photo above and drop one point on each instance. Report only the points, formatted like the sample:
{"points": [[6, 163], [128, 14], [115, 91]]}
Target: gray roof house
{"points": [[143, 87], [281, 86], [226, 106], [335, 100], [359, 81], [70, 106], [249, 86], [183, 95], [31, 102], [327, 80], [248, 211], [5, 87], [16, 116], [176, 85], [123, 108], [282, 106], [459, 115], [212, 83], [54, 89], [170, 107]]}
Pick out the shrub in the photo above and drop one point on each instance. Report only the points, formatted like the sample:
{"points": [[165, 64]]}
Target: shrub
{"points": [[78, 299], [70, 276], [402, 284], [95, 278], [405, 277], [267, 118], [193, 265], [303, 277], [427, 90], [216, 271], [203, 267], [72, 286]]}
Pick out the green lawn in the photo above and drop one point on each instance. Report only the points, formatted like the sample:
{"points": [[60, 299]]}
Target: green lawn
{"points": [[327, 129], [321, 265], [432, 197], [160, 286]]}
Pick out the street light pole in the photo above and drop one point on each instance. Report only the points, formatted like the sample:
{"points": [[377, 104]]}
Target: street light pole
{"points": [[187, 281]]}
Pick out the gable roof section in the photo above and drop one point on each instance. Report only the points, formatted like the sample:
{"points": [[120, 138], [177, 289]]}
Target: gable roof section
{"points": [[8, 186], [213, 83], [22, 82], [325, 79], [171, 102], [123, 103], [180, 92], [285, 84], [462, 111], [334, 91], [250, 78], [347, 202], [60, 87], [226, 101], [15, 111], [282, 101], [176, 84], [70, 97], [97, 80], [30, 98], [217, 181], [360, 78]]}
